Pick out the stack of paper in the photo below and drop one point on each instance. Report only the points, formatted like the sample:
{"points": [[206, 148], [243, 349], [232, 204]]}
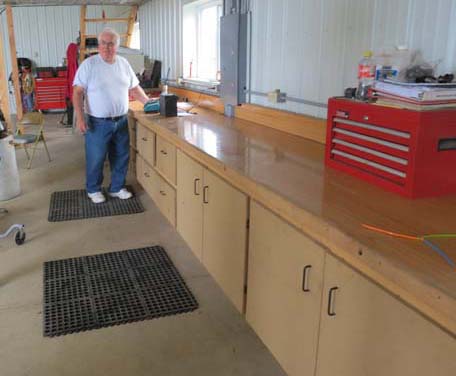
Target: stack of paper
{"points": [[415, 96]]}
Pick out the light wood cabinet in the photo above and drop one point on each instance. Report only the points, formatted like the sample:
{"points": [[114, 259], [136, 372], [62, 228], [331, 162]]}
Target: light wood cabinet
{"points": [[190, 203], [366, 331], [163, 194], [212, 218], [285, 277], [145, 142], [166, 159]]}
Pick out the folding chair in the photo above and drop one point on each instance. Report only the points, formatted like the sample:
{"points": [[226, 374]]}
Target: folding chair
{"points": [[32, 124]]}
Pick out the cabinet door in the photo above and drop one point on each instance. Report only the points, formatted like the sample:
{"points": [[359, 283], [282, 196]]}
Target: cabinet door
{"points": [[166, 159], [366, 331], [224, 236], [285, 277], [167, 201], [190, 202]]}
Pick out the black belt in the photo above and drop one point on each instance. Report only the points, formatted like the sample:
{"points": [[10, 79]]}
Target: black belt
{"points": [[111, 118]]}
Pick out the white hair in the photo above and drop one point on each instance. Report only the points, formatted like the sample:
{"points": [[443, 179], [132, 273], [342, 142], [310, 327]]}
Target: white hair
{"points": [[112, 32]]}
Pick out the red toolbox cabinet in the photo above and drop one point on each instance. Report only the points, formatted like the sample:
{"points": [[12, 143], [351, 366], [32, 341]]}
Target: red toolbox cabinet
{"points": [[412, 153], [50, 93]]}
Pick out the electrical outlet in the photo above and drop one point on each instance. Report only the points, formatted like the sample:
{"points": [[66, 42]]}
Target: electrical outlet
{"points": [[277, 96]]}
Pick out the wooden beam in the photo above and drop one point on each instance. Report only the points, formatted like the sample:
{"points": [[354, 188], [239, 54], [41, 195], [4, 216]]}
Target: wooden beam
{"points": [[4, 97], [297, 124], [96, 36], [131, 24], [13, 53], [107, 19], [82, 30], [300, 125]]}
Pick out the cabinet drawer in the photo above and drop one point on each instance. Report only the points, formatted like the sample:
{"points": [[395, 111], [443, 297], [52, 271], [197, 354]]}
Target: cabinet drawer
{"points": [[166, 159], [151, 182], [167, 201], [145, 143]]}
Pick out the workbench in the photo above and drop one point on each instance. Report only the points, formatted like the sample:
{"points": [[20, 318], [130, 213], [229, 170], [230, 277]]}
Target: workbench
{"points": [[400, 296]]}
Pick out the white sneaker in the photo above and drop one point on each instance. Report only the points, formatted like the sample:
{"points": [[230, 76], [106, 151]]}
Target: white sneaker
{"points": [[97, 197], [123, 194]]}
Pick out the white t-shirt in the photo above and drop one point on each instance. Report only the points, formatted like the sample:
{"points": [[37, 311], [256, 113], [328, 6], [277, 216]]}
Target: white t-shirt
{"points": [[106, 85]]}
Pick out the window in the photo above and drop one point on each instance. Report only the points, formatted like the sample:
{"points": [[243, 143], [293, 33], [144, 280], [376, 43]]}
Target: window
{"points": [[201, 39], [135, 40]]}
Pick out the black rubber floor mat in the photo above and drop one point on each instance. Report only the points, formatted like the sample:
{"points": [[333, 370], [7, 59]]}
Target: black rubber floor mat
{"points": [[113, 288], [71, 205]]}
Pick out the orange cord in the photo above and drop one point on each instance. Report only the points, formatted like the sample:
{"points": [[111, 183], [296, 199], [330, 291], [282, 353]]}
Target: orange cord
{"points": [[395, 234]]}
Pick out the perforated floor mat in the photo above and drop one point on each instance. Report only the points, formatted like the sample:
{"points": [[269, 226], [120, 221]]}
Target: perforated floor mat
{"points": [[110, 289], [71, 205]]}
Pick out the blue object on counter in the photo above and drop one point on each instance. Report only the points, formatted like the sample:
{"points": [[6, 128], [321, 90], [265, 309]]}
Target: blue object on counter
{"points": [[153, 106]]}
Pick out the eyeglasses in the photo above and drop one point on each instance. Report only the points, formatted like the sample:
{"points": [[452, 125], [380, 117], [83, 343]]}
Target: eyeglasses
{"points": [[107, 44]]}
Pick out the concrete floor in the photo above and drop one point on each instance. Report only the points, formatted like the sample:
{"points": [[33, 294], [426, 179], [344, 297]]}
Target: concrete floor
{"points": [[213, 340]]}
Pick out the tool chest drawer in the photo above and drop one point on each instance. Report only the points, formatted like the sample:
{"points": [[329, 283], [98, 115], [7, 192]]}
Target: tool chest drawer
{"points": [[407, 152], [166, 159]]}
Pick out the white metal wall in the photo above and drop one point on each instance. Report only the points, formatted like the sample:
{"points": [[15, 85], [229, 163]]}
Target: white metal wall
{"points": [[43, 33], [160, 23], [310, 48]]}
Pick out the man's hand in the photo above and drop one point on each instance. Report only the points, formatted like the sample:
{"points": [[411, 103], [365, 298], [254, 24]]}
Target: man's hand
{"points": [[78, 104], [138, 93], [81, 124]]}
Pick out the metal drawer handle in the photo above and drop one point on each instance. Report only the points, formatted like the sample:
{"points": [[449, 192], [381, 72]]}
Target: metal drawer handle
{"points": [[146, 175], [205, 192], [331, 296], [195, 182], [163, 193], [163, 152], [305, 278], [144, 139]]}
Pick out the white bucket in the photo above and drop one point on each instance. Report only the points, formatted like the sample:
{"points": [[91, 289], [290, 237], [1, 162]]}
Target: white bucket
{"points": [[9, 176]]}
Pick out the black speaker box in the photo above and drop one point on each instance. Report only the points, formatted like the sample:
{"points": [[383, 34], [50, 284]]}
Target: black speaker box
{"points": [[168, 105]]}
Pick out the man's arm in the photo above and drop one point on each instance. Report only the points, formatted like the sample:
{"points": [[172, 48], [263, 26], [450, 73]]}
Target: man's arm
{"points": [[78, 104], [138, 93]]}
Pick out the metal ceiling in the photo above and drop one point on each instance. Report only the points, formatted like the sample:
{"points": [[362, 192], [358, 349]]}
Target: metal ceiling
{"points": [[70, 2]]}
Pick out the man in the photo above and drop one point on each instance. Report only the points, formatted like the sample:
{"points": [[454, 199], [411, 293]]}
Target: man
{"points": [[105, 80]]}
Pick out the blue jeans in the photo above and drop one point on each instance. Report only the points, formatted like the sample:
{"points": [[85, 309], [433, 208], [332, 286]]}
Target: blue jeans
{"points": [[106, 137]]}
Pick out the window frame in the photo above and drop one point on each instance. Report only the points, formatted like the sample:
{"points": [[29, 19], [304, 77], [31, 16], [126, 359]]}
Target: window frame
{"points": [[197, 14]]}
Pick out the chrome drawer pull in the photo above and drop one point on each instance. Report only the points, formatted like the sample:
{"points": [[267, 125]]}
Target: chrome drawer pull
{"points": [[331, 296], [305, 278], [195, 182], [205, 192]]}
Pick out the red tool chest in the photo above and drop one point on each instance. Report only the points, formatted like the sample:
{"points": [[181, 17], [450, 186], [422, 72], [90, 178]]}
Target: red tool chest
{"points": [[50, 93], [412, 153]]}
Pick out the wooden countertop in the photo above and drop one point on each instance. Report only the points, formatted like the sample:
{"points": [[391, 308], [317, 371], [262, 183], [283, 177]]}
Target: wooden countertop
{"points": [[286, 173]]}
